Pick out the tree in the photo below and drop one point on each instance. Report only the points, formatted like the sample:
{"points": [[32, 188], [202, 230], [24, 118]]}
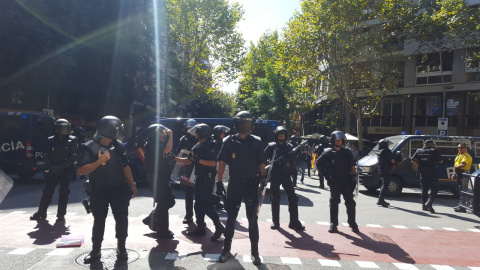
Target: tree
{"points": [[353, 49], [215, 104], [205, 47]]}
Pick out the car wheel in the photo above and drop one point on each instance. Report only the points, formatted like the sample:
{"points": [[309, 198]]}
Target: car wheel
{"points": [[394, 187], [26, 175]]}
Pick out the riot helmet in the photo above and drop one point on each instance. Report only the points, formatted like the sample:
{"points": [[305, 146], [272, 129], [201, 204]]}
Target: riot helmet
{"points": [[337, 135], [62, 127], [383, 144], [109, 127], [294, 139], [189, 124], [218, 130], [429, 143], [280, 130], [243, 122], [323, 139], [202, 130], [78, 131]]}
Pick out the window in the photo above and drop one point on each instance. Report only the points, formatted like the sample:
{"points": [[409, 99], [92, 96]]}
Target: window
{"points": [[433, 69], [477, 149], [472, 71], [447, 149], [414, 145], [427, 110]]}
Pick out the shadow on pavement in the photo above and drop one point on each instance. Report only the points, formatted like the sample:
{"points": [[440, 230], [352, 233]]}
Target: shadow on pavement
{"points": [[307, 242], [48, 233]]}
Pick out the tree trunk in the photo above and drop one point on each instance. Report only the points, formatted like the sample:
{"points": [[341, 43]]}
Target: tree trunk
{"points": [[358, 116]]}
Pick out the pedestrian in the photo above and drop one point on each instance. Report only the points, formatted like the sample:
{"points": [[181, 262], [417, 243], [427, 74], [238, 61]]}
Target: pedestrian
{"points": [[318, 152], [219, 133], [157, 141], [462, 164], [355, 153], [302, 160], [386, 162], [243, 152], [104, 160], [427, 159], [59, 159], [204, 156], [282, 166], [294, 140], [338, 167], [185, 145]]}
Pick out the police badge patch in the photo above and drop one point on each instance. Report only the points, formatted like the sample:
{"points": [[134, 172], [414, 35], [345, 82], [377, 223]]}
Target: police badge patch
{"points": [[233, 155]]}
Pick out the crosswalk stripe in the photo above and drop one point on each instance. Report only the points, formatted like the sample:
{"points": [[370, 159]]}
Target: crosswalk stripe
{"points": [[323, 223], [405, 266], [60, 252], [474, 230], [474, 268], [289, 260], [442, 267], [424, 228], [331, 263], [399, 226], [364, 264], [21, 251], [374, 226], [450, 229], [248, 258], [18, 212], [211, 257]]}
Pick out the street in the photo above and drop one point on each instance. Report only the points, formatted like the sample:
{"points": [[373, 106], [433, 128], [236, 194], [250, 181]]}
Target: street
{"points": [[399, 237]]}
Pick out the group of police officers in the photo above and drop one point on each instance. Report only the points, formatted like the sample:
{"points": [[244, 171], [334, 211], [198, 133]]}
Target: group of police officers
{"points": [[206, 154]]}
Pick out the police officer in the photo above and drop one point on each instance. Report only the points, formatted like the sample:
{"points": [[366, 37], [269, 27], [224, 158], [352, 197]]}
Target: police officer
{"points": [[319, 151], [338, 167], [219, 133], [59, 158], [79, 133], [104, 159], [282, 167], [386, 161], [204, 156], [463, 162], [427, 159], [294, 141], [184, 147], [157, 141], [244, 154]]}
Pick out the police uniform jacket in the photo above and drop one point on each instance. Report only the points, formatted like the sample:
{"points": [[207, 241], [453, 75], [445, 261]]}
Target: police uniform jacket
{"points": [[186, 143], [110, 174], [206, 151], [385, 157], [337, 164], [287, 163], [242, 156], [427, 159], [61, 152]]}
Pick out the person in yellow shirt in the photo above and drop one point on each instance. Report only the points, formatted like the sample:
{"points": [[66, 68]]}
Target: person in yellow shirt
{"points": [[463, 162]]}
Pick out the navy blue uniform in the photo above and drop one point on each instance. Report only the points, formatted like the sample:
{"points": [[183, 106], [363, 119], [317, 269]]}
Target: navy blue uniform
{"points": [[59, 159], [385, 157], [184, 147], [427, 159], [336, 167], [281, 176], [109, 187], [204, 183], [243, 158]]}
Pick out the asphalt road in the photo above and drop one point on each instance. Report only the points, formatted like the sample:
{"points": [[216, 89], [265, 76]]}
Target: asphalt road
{"points": [[399, 237]]}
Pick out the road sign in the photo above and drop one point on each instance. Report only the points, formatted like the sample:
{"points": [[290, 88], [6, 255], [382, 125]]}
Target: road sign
{"points": [[442, 123], [442, 132]]}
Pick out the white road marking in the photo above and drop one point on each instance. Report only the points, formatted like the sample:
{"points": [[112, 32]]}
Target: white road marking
{"points": [[331, 263]]}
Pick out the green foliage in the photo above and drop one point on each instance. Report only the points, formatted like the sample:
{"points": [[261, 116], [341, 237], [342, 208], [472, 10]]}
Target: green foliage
{"points": [[215, 104]]}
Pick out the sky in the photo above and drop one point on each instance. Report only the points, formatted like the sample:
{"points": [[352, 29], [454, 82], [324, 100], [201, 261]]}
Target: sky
{"points": [[260, 16]]}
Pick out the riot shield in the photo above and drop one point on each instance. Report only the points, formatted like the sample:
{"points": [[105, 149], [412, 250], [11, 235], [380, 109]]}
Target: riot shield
{"points": [[6, 184]]}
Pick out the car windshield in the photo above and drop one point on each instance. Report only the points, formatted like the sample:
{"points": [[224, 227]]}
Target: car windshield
{"points": [[393, 142]]}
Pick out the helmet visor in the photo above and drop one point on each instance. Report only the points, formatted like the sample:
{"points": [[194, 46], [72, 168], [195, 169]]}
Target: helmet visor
{"points": [[244, 127], [193, 131], [119, 135], [63, 129]]}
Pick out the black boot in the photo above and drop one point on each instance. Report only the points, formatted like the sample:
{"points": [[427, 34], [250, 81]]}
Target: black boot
{"points": [[38, 216], [95, 254], [255, 257], [227, 245], [275, 216], [122, 253], [199, 231], [382, 202], [429, 204], [219, 229], [296, 225]]}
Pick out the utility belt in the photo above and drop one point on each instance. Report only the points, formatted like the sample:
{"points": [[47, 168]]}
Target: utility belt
{"points": [[205, 177], [243, 180]]}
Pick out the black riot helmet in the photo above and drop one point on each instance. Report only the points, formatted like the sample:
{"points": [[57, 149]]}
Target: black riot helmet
{"points": [[280, 130], [429, 143], [293, 139], [218, 130], [383, 144], [243, 122], [189, 124], [337, 135], [202, 130], [109, 127], [62, 127]]}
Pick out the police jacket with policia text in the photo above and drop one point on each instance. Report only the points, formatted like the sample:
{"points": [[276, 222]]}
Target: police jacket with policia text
{"points": [[206, 151], [336, 165], [110, 174], [61, 153], [284, 158], [427, 159], [242, 156]]}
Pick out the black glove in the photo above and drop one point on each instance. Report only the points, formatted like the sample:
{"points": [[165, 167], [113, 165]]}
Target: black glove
{"points": [[221, 189], [261, 187]]}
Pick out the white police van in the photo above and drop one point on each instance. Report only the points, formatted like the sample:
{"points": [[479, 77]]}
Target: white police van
{"points": [[23, 140], [403, 147]]}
